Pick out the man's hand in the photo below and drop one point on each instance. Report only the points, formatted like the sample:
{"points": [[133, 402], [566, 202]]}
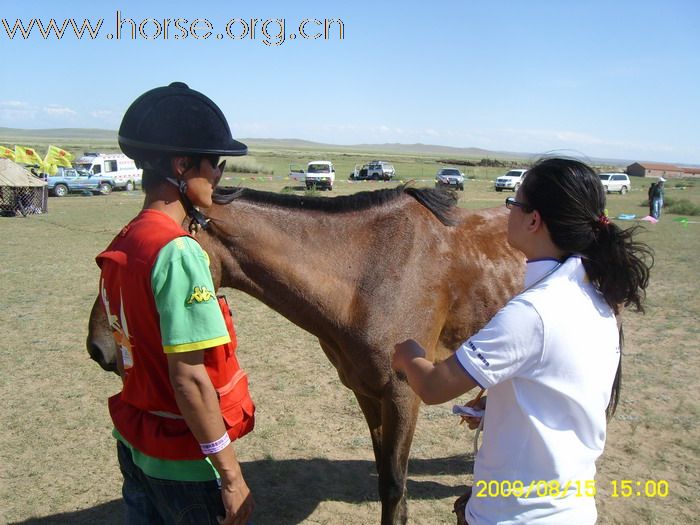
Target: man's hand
{"points": [[238, 502], [199, 404]]}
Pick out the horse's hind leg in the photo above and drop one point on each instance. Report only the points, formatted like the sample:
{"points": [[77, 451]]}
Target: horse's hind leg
{"points": [[372, 409], [399, 413]]}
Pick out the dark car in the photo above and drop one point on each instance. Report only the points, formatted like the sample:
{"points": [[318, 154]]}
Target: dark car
{"points": [[449, 177]]}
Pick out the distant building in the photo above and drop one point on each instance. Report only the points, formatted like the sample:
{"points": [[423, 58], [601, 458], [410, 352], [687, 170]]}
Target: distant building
{"points": [[658, 169], [691, 172]]}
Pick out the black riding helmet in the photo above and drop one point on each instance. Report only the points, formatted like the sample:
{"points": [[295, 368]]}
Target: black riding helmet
{"points": [[176, 120], [173, 121]]}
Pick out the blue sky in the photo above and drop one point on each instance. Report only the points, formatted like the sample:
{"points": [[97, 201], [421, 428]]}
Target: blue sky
{"points": [[618, 79]]}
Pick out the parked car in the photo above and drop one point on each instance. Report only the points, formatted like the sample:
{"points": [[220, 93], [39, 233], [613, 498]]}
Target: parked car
{"points": [[618, 182], [510, 180], [320, 174], [374, 170], [450, 177], [117, 167], [71, 180]]}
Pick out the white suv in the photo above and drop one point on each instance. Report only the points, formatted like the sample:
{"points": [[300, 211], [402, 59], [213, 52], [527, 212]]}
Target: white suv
{"points": [[619, 182], [378, 170], [510, 181]]}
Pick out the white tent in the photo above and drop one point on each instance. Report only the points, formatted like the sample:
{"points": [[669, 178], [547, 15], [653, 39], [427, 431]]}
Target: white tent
{"points": [[21, 193]]}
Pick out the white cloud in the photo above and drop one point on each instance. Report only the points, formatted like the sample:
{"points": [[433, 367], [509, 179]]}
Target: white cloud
{"points": [[16, 113], [12, 104], [58, 111], [106, 115], [13, 112]]}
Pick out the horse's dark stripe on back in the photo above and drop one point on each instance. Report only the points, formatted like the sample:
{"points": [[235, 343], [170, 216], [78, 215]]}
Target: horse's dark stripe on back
{"points": [[439, 202]]}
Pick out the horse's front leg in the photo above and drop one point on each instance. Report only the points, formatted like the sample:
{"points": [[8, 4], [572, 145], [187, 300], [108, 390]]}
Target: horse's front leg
{"points": [[372, 409], [399, 413]]}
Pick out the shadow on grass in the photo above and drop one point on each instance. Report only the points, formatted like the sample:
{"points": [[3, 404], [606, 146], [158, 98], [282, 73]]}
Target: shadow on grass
{"points": [[288, 491], [110, 513]]}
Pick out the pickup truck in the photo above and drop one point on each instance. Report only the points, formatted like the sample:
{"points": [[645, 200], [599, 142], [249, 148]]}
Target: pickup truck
{"points": [[71, 180]]}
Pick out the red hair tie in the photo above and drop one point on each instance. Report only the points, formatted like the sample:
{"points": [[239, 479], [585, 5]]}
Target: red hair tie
{"points": [[603, 220]]}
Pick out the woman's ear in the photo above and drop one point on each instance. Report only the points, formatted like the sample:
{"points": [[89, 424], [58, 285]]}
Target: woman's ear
{"points": [[535, 221]]}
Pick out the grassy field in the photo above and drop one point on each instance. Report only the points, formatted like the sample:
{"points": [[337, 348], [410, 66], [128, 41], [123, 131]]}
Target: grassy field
{"points": [[309, 459]]}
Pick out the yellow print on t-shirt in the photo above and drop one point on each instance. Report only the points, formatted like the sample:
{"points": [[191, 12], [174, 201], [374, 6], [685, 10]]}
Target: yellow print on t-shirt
{"points": [[200, 295]]}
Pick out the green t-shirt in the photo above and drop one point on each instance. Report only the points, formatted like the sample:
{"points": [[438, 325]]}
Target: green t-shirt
{"points": [[190, 319], [181, 470]]}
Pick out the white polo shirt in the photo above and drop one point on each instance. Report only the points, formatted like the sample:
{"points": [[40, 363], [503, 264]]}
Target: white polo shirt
{"points": [[549, 359]]}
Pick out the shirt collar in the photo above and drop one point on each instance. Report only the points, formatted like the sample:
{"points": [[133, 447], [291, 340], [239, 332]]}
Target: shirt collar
{"points": [[536, 269]]}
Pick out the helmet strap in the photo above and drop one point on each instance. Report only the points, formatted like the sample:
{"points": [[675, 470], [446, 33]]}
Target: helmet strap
{"points": [[198, 219]]}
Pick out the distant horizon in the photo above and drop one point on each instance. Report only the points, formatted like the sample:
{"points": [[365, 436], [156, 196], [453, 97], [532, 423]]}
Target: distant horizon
{"points": [[430, 148]]}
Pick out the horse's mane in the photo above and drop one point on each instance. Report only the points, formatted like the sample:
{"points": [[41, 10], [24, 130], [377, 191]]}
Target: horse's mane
{"points": [[440, 202]]}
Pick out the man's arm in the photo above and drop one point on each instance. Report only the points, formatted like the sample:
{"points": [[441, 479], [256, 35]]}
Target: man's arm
{"points": [[434, 383], [197, 400]]}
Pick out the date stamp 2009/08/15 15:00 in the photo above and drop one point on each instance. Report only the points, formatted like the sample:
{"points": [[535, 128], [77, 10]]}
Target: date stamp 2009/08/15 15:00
{"points": [[588, 488]]}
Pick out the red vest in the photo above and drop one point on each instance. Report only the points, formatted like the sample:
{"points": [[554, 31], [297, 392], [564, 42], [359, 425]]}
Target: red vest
{"points": [[125, 289]]}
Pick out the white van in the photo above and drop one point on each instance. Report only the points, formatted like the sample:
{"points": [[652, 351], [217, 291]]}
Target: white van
{"points": [[117, 166], [320, 174]]}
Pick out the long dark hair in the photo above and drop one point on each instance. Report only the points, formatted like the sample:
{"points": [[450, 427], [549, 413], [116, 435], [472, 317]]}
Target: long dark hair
{"points": [[570, 198]]}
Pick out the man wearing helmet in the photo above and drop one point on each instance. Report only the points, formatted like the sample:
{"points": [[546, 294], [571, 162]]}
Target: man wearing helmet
{"points": [[184, 396]]}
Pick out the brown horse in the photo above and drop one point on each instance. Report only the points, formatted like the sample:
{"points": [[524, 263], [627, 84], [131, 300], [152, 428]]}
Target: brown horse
{"points": [[362, 272]]}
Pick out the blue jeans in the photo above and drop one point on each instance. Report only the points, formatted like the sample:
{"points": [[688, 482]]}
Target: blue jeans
{"points": [[656, 205], [151, 501]]}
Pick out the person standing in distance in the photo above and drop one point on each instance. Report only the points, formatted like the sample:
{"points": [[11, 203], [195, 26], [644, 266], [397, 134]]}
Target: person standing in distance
{"points": [[184, 397], [550, 358]]}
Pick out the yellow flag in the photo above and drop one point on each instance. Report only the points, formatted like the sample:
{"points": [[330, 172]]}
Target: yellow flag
{"points": [[26, 155], [51, 169], [7, 153], [58, 156]]}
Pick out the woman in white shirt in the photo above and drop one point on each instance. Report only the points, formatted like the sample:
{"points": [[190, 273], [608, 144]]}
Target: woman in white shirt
{"points": [[550, 358]]}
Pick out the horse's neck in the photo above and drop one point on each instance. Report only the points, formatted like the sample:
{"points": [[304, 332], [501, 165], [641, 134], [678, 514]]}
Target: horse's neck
{"points": [[293, 261]]}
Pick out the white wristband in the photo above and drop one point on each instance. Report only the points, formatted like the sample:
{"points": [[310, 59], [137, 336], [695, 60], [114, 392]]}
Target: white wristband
{"points": [[215, 446]]}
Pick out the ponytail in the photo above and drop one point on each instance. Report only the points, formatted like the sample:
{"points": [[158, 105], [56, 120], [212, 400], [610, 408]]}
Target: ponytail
{"points": [[617, 265]]}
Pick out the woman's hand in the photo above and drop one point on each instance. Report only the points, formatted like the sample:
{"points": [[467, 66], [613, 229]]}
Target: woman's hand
{"points": [[478, 404], [433, 383], [404, 353]]}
